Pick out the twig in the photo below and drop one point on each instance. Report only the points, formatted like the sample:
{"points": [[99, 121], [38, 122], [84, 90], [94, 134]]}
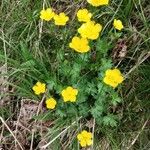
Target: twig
{"points": [[45, 146], [41, 23], [140, 61], [40, 32], [33, 131], [113, 16], [1, 135], [93, 130], [2, 120], [32, 138], [17, 127], [137, 135]]}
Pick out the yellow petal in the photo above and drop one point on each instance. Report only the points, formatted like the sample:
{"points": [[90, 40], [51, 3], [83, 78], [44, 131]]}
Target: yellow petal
{"points": [[83, 143], [118, 24], [89, 142], [51, 103], [97, 3], [79, 137]]}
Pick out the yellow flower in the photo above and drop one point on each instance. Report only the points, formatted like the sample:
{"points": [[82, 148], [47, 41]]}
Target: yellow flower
{"points": [[61, 19], [90, 30], [79, 44], [51, 103], [47, 14], [113, 77], [97, 3], [118, 24], [39, 88], [84, 15], [69, 94], [85, 138]]}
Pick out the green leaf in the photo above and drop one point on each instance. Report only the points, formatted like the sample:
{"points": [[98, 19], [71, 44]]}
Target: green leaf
{"points": [[75, 72], [97, 111], [91, 88], [24, 51], [102, 46], [81, 98], [29, 63], [105, 64], [71, 110], [60, 113], [51, 83], [84, 109], [109, 120], [115, 99]]}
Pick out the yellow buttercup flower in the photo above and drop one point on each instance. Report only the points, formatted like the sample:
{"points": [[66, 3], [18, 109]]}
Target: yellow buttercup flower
{"points": [[85, 138], [113, 77], [97, 3], [118, 24], [79, 44], [51, 103], [83, 15], [47, 14], [61, 19], [39, 88], [90, 30], [69, 94]]}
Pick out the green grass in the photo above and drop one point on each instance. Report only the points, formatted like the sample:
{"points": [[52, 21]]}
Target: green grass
{"points": [[31, 51]]}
